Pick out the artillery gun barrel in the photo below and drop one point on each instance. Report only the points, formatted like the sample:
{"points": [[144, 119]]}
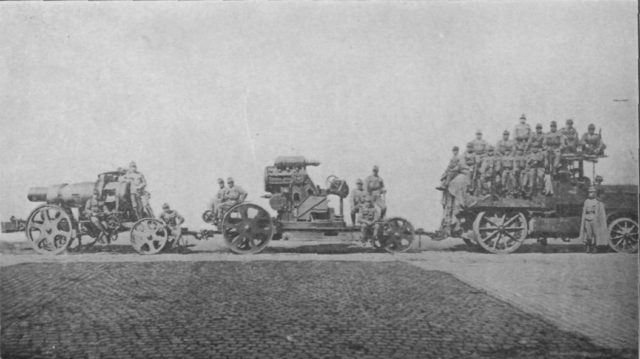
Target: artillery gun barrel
{"points": [[294, 161], [74, 194]]}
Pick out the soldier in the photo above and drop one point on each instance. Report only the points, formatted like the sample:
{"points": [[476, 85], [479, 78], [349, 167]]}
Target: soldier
{"points": [[488, 172], [592, 142], [505, 146], [217, 202], [95, 210], [593, 226], [534, 174], [451, 170], [173, 220], [598, 186], [479, 145], [137, 189], [368, 221], [522, 133], [470, 161], [536, 139], [375, 188], [553, 143], [358, 197], [232, 196], [519, 171], [572, 139], [508, 180]]}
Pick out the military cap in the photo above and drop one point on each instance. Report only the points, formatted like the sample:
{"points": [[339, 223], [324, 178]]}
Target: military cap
{"points": [[165, 205], [592, 126], [375, 167], [220, 180], [230, 179], [456, 148], [478, 132], [554, 124], [523, 117], [506, 132], [569, 121], [592, 189], [539, 125], [599, 178], [359, 181]]}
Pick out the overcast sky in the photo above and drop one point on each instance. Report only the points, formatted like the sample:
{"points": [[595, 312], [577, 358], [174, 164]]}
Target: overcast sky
{"points": [[199, 90]]}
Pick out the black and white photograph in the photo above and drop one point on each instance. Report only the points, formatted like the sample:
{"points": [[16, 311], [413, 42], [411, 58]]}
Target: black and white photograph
{"points": [[319, 179]]}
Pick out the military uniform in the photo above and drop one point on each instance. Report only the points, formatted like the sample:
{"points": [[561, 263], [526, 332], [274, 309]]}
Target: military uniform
{"points": [[368, 226], [234, 195], [593, 226], [469, 163], [95, 209], [479, 146], [519, 171], [358, 197], [374, 186], [173, 220], [554, 143], [451, 172], [220, 196], [535, 141], [592, 144], [137, 186], [522, 133], [534, 174], [508, 181], [505, 147], [488, 171], [572, 138]]}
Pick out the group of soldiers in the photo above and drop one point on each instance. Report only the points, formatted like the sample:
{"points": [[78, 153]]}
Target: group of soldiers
{"points": [[368, 202], [523, 166], [227, 197]]}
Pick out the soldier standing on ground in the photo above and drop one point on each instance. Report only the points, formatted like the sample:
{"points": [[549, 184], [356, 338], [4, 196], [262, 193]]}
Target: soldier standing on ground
{"points": [[368, 221], [375, 188], [592, 142], [137, 189], [593, 227], [173, 220], [522, 133], [358, 197], [571, 136], [451, 171]]}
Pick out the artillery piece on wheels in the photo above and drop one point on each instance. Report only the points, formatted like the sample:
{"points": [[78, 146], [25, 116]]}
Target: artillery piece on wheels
{"points": [[501, 225], [301, 206], [52, 227]]}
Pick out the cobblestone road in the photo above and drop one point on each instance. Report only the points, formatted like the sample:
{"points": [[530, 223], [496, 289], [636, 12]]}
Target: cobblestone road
{"points": [[266, 309]]}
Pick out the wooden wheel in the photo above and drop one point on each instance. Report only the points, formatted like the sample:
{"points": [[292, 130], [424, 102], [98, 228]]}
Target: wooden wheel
{"points": [[397, 235], [623, 235], [500, 232], [49, 229], [247, 228], [148, 236]]}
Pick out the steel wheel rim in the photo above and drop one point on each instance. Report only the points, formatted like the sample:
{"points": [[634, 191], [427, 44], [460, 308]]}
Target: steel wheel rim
{"points": [[397, 235], [148, 236], [623, 235], [53, 227], [500, 233], [247, 228]]}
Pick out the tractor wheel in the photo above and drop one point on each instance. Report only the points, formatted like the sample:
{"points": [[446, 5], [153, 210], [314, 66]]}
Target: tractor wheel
{"points": [[49, 229], [149, 236], [500, 231], [397, 235], [247, 228], [623, 235]]}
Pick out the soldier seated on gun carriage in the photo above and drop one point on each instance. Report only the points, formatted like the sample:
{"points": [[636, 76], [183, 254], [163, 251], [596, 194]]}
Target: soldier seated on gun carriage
{"points": [[101, 224], [369, 221], [225, 200], [173, 221]]}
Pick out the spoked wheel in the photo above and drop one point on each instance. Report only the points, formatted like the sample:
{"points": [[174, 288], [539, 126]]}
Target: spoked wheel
{"points": [[397, 235], [500, 232], [208, 216], [623, 235], [148, 236], [49, 229], [247, 228]]}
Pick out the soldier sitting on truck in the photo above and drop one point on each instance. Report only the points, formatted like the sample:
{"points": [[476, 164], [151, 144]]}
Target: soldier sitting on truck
{"points": [[369, 222], [592, 142], [478, 144], [173, 220], [488, 172], [470, 160], [554, 142], [358, 197], [572, 139], [95, 210], [451, 170], [536, 140], [505, 146]]}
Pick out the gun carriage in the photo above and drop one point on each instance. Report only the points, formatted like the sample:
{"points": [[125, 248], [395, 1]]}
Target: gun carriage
{"points": [[52, 226], [501, 225], [301, 206]]}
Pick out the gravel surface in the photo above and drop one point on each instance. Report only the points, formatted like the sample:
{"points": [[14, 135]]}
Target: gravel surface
{"points": [[267, 309]]}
